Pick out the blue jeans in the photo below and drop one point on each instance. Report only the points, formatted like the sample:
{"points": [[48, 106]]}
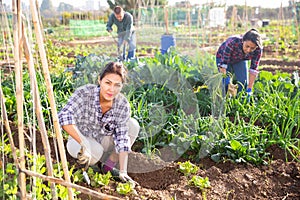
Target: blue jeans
{"points": [[131, 43], [240, 70]]}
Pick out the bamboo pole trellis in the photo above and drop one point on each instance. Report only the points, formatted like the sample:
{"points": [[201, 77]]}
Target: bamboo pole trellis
{"points": [[46, 73], [6, 124], [16, 5], [188, 5], [38, 110], [21, 42], [296, 22], [166, 20]]}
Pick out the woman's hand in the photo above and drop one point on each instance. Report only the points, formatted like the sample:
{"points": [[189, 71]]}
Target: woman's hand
{"points": [[84, 156], [124, 177]]}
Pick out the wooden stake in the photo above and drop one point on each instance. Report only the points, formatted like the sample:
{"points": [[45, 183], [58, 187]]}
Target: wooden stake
{"points": [[166, 20], [38, 111], [199, 22], [188, 5], [50, 95], [2, 101], [245, 20], [233, 18], [296, 23], [139, 13], [7, 127], [16, 4], [39, 17]]}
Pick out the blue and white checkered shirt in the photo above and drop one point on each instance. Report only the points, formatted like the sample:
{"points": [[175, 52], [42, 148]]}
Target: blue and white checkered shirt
{"points": [[83, 109]]}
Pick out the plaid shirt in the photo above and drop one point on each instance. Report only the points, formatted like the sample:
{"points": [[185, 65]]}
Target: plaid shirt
{"points": [[231, 52], [83, 109]]}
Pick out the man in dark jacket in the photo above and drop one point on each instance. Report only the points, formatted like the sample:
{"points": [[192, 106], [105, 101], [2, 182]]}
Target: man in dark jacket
{"points": [[124, 22]]}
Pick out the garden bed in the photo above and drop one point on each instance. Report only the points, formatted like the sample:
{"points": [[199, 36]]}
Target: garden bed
{"points": [[277, 180], [148, 49]]}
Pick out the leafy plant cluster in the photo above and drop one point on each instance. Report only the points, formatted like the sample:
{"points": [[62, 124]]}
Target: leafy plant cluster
{"points": [[62, 86], [38, 188], [189, 169], [275, 108]]}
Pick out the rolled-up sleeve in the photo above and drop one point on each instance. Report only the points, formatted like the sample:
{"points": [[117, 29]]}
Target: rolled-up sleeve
{"points": [[121, 137], [72, 109], [255, 61]]}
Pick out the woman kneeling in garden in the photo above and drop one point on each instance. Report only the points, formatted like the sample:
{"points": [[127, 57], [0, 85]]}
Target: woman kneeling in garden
{"points": [[232, 57], [97, 119]]}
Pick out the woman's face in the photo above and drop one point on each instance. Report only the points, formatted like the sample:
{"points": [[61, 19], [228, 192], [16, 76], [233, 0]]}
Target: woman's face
{"points": [[249, 46], [111, 85]]}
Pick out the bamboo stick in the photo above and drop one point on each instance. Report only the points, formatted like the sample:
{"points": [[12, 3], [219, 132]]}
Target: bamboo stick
{"points": [[71, 185], [19, 93], [39, 17], [6, 32], [296, 23], [188, 5], [198, 25], [38, 110], [138, 23], [50, 94], [166, 20], [246, 13], [7, 127], [2, 100]]}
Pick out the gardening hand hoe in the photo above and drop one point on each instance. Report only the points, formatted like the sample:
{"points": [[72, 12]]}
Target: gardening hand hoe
{"points": [[85, 174], [83, 159]]}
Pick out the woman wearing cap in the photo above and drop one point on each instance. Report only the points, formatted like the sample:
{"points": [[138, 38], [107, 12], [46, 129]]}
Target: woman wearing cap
{"points": [[232, 57], [97, 119]]}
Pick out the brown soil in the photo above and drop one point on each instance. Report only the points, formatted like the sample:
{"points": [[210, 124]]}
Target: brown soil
{"points": [[146, 49], [278, 180]]}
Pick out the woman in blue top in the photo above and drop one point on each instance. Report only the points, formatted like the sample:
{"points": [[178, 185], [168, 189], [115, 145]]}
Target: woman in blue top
{"points": [[232, 57]]}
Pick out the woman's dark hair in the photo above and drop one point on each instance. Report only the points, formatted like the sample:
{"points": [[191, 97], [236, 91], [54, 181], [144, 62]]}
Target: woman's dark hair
{"points": [[253, 36], [117, 10], [114, 68]]}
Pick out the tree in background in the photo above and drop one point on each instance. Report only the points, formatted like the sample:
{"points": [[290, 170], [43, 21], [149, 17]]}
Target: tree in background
{"points": [[47, 9], [65, 7], [130, 5]]}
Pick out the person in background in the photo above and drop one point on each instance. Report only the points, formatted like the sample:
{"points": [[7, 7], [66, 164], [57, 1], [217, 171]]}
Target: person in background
{"points": [[232, 57], [97, 119], [125, 29]]}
